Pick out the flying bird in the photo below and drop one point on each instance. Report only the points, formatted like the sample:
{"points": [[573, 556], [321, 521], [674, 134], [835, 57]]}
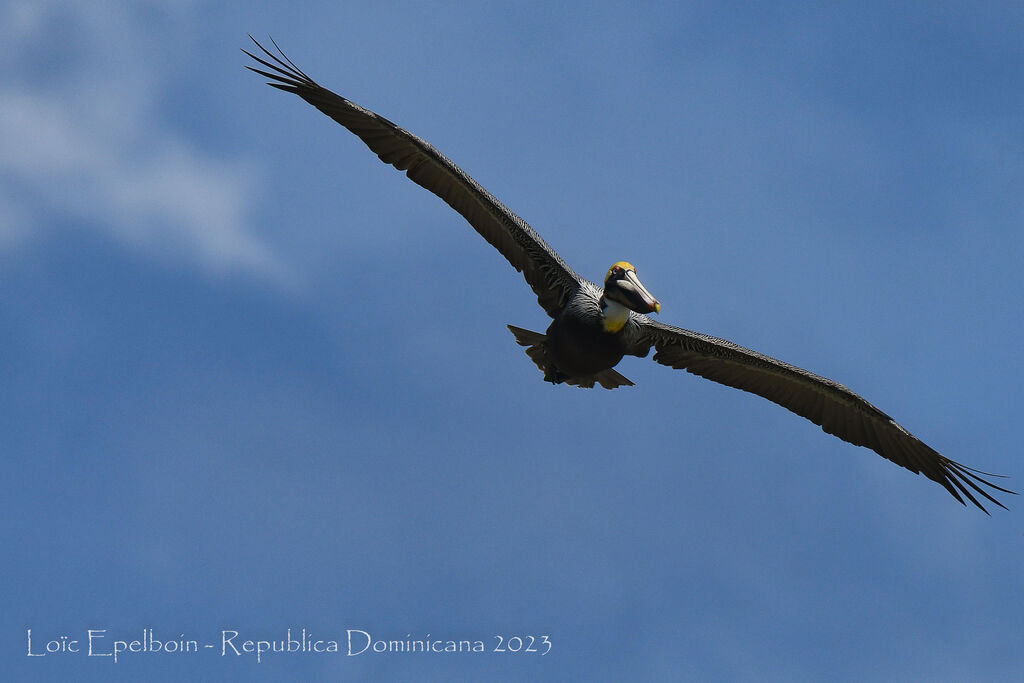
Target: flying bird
{"points": [[594, 327]]}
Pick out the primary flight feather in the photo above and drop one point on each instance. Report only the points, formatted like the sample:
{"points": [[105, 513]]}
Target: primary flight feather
{"points": [[594, 327]]}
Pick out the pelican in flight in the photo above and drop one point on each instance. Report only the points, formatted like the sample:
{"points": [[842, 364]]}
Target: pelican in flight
{"points": [[594, 327]]}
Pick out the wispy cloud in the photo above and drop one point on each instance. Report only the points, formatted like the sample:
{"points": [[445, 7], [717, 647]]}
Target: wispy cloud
{"points": [[84, 140]]}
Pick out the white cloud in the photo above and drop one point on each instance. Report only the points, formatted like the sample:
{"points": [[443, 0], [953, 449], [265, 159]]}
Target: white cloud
{"points": [[84, 140]]}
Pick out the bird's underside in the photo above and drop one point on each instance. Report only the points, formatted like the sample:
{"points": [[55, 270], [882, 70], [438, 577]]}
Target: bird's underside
{"points": [[536, 344], [565, 354]]}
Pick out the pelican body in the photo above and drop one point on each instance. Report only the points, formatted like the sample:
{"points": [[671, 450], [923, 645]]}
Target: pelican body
{"points": [[592, 332], [593, 327]]}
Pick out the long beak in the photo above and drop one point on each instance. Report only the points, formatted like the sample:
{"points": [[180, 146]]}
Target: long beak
{"points": [[635, 295]]}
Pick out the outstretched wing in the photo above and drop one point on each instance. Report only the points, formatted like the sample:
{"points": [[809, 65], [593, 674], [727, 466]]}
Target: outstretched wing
{"points": [[836, 409], [551, 279]]}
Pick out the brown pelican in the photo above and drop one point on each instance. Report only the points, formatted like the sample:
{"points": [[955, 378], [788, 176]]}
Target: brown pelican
{"points": [[594, 327]]}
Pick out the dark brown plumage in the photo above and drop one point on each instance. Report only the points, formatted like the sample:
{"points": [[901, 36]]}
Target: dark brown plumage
{"points": [[578, 345]]}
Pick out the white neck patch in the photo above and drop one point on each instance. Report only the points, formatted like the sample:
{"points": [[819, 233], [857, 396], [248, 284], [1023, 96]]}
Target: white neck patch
{"points": [[614, 315]]}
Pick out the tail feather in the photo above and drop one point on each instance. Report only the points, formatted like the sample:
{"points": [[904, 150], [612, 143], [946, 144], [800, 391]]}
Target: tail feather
{"points": [[610, 379], [534, 341], [527, 337]]}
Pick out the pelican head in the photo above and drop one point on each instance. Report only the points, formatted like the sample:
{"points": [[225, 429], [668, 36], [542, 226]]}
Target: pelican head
{"points": [[622, 286]]}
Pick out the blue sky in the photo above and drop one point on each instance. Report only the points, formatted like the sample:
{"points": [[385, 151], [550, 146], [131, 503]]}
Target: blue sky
{"points": [[256, 380]]}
